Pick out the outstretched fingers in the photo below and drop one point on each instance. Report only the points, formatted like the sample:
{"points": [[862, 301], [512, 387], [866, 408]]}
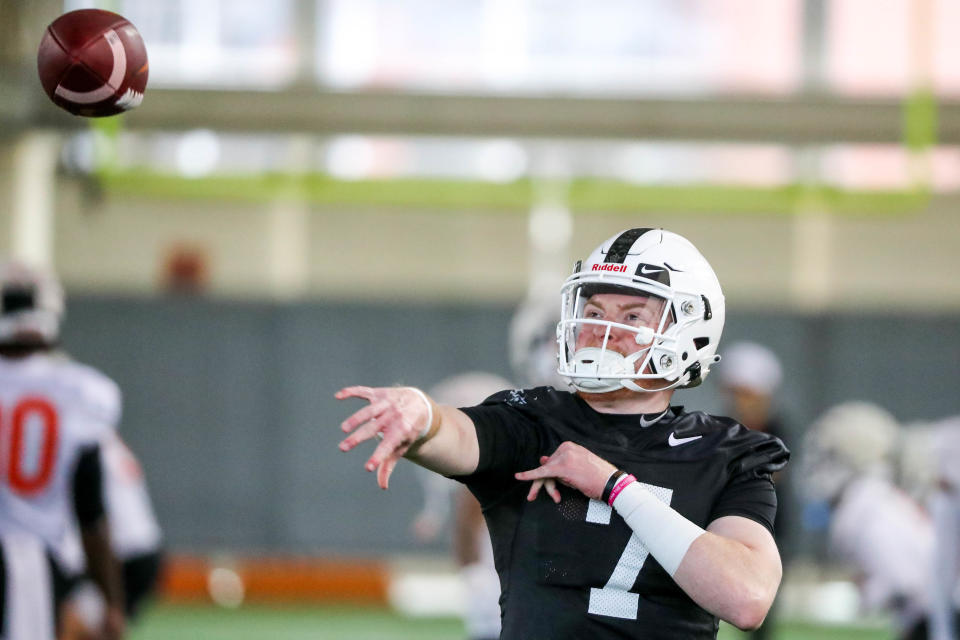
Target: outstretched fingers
{"points": [[392, 446], [549, 484], [383, 418], [534, 490], [543, 471], [384, 471], [356, 391], [364, 433], [370, 422], [360, 416], [543, 477]]}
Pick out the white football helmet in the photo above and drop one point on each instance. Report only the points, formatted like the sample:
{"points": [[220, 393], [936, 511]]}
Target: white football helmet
{"points": [[850, 440], [31, 304], [748, 365], [927, 456], [533, 344], [666, 270]]}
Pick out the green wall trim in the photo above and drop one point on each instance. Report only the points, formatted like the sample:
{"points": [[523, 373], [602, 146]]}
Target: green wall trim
{"points": [[583, 195]]}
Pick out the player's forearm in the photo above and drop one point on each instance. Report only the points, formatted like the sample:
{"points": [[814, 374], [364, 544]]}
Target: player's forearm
{"points": [[729, 579], [453, 449], [717, 568], [102, 564]]}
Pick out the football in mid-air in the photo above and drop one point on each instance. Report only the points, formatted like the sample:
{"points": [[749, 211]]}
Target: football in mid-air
{"points": [[93, 63]]}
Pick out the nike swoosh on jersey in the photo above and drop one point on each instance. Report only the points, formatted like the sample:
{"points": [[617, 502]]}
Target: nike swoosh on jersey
{"points": [[646, 423], [674, 441]]}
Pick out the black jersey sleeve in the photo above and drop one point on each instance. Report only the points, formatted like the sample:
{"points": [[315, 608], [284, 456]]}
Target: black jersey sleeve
{"points": [[750, 491], [508, 437], [88, 486]]}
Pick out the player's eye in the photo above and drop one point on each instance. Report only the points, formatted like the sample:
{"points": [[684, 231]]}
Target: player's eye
{"points": [[636, 319]]}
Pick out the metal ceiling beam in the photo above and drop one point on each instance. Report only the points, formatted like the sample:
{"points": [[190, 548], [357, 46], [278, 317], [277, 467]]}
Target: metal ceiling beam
{"points": [[796, 120], [805, 119]]}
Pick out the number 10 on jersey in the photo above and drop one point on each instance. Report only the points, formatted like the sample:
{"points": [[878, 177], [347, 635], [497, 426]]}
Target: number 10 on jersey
{"points": [[29, 431]]}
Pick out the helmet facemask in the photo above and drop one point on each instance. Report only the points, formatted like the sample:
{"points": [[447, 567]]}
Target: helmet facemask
{"points": [[612, 342]]}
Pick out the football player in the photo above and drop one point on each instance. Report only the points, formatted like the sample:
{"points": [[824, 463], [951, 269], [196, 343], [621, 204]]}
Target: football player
{"points": [[945, 506], [876, 529], [750, 375], [28, 582], [928, 468], [657, 521], [54, 416], [135, 539]]}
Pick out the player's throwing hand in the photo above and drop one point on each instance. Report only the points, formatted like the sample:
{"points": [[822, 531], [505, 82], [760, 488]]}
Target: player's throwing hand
{"points": [[399, 416], [572, 465]]}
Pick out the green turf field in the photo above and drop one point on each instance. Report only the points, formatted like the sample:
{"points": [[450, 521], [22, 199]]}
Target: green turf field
{"points": [[164, 622]]}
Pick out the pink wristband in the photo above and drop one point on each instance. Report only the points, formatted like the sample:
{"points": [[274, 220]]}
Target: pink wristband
{"points": [[622, 484]]}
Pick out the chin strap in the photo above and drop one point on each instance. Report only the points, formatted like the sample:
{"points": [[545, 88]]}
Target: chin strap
{"points": [[598, 361], [627, 383]]}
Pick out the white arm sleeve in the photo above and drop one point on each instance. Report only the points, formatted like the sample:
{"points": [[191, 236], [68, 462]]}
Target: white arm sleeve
{"points": [[663, 531]]}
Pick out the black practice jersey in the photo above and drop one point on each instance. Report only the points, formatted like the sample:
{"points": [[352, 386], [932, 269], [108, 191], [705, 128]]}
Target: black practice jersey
{"points": [[575, 569]]}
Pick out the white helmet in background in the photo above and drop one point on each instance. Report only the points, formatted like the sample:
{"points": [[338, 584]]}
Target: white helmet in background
{"points": [[752, 366], [850, 440], [929, 456], [654, 264], [916, 459], [31, 304], [533, 344]]}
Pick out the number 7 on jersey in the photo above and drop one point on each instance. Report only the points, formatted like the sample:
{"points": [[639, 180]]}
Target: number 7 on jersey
{"points": [[615, 599]]}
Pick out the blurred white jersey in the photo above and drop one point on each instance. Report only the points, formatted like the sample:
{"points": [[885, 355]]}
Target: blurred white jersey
{"points": [[948, 451], [944, 505], [51, 409], [28, 595], [133, 525], [888, 539]]}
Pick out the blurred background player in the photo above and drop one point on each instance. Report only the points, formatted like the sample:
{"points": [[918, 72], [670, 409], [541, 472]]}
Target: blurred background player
{"points": [[27, 600], [55, 416], [134, 531], [945, 508], [750, 376], [472, 549], [876, 529], [928, 470], [533, 344], [135, 538]]}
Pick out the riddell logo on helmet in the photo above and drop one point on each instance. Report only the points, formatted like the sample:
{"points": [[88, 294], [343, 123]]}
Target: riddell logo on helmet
{"points": [[609, 266]]}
